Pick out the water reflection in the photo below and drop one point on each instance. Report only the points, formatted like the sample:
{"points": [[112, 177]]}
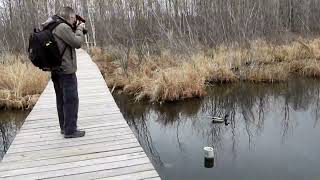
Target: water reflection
{"points": [[10, 123], [138, 122], [208, 162], [261, 117]]}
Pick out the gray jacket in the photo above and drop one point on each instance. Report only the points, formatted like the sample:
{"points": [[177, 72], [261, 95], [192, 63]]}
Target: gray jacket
{"points": [[65, 37]]}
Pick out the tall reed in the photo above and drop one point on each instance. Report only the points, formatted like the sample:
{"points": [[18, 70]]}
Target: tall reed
{"points": [[20, 82]]}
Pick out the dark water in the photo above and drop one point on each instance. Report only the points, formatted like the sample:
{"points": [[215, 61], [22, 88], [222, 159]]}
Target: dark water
{"points": [[274, 132], [10, 122]]}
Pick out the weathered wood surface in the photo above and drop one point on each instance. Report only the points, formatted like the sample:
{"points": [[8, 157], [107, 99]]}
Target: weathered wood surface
{"points": [[108, 151]]}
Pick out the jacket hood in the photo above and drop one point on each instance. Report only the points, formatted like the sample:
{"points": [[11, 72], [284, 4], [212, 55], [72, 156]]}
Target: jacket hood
{"points": [[52, 19], [47, 22]]}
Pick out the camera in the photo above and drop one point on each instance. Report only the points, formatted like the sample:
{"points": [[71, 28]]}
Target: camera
{"points": [[79, 20]]}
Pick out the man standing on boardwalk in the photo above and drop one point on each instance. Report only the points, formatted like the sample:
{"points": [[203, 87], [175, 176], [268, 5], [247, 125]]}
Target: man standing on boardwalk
{"points": [[64, 78]]}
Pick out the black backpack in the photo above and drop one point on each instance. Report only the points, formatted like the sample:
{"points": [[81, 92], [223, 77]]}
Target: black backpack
{"points": [[43, 50]]}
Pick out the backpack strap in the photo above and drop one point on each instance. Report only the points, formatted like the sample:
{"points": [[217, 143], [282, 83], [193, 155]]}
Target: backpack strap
{"points": [[64, 50], [58, 20]]}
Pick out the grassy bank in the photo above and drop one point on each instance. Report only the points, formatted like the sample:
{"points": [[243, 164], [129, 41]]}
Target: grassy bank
{"points": [[20, 82], [169, 77]]}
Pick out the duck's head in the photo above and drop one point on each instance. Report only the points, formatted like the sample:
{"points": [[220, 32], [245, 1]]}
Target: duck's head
{"points": [[226, 120]]}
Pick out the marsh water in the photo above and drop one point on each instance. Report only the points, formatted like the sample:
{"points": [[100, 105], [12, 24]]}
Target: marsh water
{"points": [[273, 133], [10, 123]]}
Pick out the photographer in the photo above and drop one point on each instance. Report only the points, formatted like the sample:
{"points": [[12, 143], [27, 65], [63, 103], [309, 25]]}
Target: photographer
{"points": [[68, 37]]}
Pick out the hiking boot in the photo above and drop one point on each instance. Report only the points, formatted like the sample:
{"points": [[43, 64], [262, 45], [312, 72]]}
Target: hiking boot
{"points": [[76, 134]]}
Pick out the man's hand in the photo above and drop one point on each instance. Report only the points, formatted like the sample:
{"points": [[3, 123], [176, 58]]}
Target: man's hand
{"points": [[81, 26]]}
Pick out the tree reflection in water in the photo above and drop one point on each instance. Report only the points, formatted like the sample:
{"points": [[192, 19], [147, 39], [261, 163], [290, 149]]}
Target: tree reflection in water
{"points": [[137, 117], [246, 104], [10, 123]]}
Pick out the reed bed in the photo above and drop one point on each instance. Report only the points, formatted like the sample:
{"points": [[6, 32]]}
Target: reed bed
{"points": [[20, 82], [169, 77]]}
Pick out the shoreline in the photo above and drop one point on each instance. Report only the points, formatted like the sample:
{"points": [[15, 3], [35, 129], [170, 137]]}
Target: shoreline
{"points": [[172, 77], [169, 76]]}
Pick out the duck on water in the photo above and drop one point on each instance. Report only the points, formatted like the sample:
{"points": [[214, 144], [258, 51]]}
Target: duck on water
{"points": [[217, 120]]}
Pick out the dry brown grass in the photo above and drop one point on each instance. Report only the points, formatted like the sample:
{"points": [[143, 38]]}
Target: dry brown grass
{"points": [[267, 73], [214, 69], [20, 83], [169, 77], [170, 84], [311, 68]]}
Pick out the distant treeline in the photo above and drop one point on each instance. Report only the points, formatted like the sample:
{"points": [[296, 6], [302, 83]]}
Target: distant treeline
{"points": [[170, 23]]}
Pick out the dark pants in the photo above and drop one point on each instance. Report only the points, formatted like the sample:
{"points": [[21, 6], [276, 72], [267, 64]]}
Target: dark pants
{"points": [[66, 88]]}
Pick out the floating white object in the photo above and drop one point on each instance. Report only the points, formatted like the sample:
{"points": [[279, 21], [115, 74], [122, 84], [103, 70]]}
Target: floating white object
{"points": [[220, 119], [217, 120], [208, 152]]}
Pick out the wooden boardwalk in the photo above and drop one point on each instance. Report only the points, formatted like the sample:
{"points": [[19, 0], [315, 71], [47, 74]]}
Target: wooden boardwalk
{"points": [[108, 151]]}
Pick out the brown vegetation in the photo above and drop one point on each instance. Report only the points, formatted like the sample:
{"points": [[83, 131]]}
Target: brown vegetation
{"points": [[169, 77], [20, 82]]}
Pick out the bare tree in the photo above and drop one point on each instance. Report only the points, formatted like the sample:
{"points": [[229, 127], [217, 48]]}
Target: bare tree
{"points": [[181, 24]]}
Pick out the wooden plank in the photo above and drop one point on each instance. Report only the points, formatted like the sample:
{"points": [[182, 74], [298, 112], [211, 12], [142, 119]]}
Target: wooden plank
{"points": [[93, 119], [82, 104], [84, 125], [137, 175], [66, 153], [28, 120], [84, 93], [87, 127], [154, 178], [57, 136], [78, 170], [101, 106], [108, 173], [47, 107], [69, 165], [103, 134], [62, 150], [82, 115], [82, 100], [6, 166], [66, 144], [96, 89], [101, 117], [83, 122], [92, 110], [59, 143], [53, 127], [52, 108]]}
